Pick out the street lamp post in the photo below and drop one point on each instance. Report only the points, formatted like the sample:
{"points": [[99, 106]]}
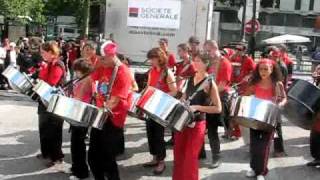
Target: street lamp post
{"points": [[243, 23], [253, 27]]}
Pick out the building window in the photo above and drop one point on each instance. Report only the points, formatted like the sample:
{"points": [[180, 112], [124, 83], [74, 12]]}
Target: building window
{"points": [[311, 5], [297, 5]]}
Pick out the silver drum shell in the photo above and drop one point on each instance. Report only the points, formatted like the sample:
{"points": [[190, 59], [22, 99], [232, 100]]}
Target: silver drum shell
{"points": [[255, 113]]}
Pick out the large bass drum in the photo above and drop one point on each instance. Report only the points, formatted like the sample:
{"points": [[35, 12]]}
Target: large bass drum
{"points": [[255, 113], [164, 109], [78, 113], [303, 102], [18, 81]]}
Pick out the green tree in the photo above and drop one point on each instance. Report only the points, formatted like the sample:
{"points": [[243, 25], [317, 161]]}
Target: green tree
{"points": [[78, 8], [20, 9]]}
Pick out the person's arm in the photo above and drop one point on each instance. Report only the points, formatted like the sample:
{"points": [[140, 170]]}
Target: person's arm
{"points": [[113, 102], [225, 74], [55, 75], [281, 97], [171, 83], [216, 106], [249, 91]]}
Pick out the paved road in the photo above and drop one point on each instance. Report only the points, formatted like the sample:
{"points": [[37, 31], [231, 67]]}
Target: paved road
{"points": [[19, 145]]}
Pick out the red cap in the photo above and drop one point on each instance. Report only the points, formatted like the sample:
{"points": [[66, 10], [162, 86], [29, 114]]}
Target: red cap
{"points": [[110, 49]]}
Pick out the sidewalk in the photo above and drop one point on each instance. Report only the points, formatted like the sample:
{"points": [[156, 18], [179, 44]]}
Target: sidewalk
{"points": [[19, 144]]}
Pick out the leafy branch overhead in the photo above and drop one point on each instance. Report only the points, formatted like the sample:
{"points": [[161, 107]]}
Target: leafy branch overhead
{"points": [[21, 10]]}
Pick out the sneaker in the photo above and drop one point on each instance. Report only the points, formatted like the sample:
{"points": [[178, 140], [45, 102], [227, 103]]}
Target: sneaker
{"points": [[160, 168], [279, 154], [215, 161], [314, 163], [215, 164], [62, 166], [260, 177], [72, 177], [250, 173]]}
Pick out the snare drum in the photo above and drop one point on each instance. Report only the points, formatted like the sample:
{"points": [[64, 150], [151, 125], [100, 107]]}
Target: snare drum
{"points": [[78, 113], [255, 113], [18, 81], [164, 109], [45, 91]]}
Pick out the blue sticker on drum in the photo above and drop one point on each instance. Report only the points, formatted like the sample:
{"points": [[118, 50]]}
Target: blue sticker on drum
{"points": [[103, 88]]}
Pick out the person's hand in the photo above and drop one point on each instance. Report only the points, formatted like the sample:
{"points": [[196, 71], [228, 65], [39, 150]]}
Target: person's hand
{"points": [[194, 108], [192, 125]]}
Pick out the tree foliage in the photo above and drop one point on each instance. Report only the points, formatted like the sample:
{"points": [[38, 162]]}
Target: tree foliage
{"points": [[16, 8]]}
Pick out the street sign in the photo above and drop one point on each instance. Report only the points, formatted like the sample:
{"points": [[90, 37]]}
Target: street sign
{"points": [[248, 27]]}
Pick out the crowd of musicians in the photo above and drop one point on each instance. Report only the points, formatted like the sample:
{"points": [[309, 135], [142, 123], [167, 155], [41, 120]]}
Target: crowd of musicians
{"points": [[107, 82]]}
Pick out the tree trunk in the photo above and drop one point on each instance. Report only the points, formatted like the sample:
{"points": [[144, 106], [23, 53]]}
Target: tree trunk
{"points": [[86, 17]]}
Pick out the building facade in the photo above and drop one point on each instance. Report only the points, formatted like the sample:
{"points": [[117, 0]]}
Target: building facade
{"points": [[276, 17]]}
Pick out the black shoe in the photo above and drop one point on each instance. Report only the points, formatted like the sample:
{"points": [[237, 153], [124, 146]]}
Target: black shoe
{"points": [[150, 164], [169, 142], [160, 168], [314, 163], [202, 155]]}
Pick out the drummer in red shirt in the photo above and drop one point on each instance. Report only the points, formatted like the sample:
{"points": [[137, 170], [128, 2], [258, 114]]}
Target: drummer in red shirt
{"points": [[111, 95], [50, 127], [164, 46], [185, 68], [222, 70], [265, 84], [162, 78], [243, 66]]}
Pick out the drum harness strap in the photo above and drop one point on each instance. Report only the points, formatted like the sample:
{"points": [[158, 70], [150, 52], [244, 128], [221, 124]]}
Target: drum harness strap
{"points": [[200, 87], [113, 77]]}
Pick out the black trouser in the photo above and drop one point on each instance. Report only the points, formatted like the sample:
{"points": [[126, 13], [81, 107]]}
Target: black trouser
{"points": [[259, 149], [50, 131], [315, 144], [213, 123], [278, 140], [155, 134], [78, 152], [102, 152], [121, 143], [2, 77]]}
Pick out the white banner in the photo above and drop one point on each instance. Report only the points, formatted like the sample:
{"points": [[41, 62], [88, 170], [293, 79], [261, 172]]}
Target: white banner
{"points": [[154, 13]]}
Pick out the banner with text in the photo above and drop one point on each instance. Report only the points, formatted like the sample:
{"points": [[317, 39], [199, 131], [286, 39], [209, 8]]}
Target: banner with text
{"points": [[154, 13]]}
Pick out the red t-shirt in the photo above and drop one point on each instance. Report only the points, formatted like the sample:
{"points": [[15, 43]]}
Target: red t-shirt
{"points": [[72, 53], [51, 73], [184, 71], [122, 83], [247, 65], [224, 73], [171, 60], [262, 93], [87, 92], [157, 81]]}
